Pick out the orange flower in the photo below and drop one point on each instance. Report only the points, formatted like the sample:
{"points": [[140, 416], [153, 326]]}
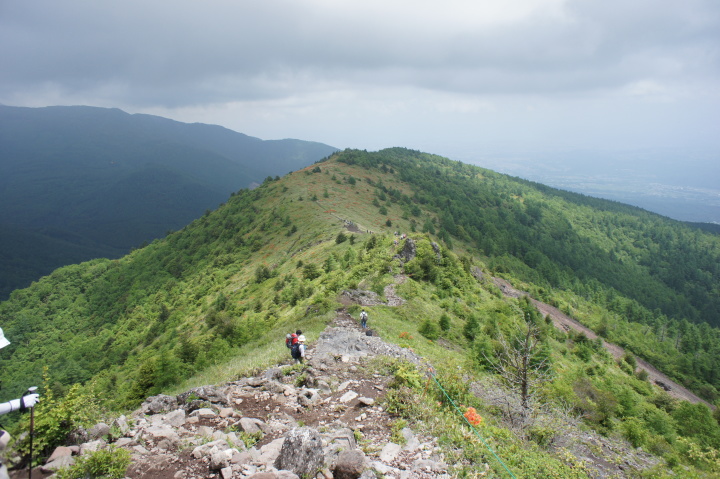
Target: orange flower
{"points": [[472, 416]]}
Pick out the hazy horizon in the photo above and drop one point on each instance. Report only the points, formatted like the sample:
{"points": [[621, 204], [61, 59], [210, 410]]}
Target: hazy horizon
{"points": [[523, 82]]}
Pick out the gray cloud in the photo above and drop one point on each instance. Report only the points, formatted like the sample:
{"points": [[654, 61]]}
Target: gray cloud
{"points": [[167, 56], [225, 50]]}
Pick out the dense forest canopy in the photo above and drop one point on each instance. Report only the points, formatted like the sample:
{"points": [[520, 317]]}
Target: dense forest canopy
{"points": [[562, 239]]}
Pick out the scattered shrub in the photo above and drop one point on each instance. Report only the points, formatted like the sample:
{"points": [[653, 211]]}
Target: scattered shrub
{"points": [[396, 428], [583, 350], [311, 271], [400, 401], [444, 322], [429, 330], [110, 463], [596, 405], [542, 436], [55, 418], [630, 359], [471, 327], [634, 431], [406, 375]]}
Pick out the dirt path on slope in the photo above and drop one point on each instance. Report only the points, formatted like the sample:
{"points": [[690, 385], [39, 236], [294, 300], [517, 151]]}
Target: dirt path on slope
{"points": [[566, 323]]}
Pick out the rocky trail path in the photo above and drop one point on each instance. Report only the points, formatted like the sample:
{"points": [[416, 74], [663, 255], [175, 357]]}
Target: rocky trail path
{"points": [[288, 422], [566, 323]]}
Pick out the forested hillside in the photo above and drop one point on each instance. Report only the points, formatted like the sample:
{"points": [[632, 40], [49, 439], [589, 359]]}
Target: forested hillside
{"points": [[215, 299], [79, 182]]}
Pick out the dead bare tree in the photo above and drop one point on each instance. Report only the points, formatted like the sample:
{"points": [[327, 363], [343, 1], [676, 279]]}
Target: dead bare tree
{"points": [[522, 363]]}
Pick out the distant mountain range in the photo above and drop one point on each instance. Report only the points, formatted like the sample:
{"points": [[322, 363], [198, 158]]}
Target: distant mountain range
{"points": [[83, 182]]}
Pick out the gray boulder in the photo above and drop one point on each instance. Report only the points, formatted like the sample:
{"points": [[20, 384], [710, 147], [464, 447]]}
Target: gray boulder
{"points": [[308, 397], [60, 451], [220, 459], [203, 393], [98, 431], [121, 423], [55, 465], [275, 387], [159, 404], [302, 452], [274, 374], [350, 464], [175, 418], [438, 251], [210, 448], [251, 425], [409, 250]]}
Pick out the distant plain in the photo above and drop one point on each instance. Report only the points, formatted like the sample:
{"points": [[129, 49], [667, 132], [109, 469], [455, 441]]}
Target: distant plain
{"points": [[683, 185]]}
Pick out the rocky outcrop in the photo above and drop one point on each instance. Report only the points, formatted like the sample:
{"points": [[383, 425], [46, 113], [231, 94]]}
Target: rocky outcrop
{"points": [[347, 344], [363, 297], [408, 252]]}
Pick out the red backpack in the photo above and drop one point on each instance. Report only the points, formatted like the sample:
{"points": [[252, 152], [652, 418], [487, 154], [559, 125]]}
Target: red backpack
{"points": [[291, 340]]}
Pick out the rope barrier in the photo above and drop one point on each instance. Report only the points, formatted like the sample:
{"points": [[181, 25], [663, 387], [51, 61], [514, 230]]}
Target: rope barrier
{"points": [[432, 374]]}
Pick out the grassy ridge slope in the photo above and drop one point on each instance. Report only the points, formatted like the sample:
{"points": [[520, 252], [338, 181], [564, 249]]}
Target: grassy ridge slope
{"points": [[214, 299]]}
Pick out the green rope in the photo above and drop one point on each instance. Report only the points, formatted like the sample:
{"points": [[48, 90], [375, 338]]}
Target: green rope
{"points": [[471, 426]]}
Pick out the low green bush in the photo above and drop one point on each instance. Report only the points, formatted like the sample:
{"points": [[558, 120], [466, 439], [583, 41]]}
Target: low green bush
{"points": [[55, 418], [429, 330], [110, 463]]}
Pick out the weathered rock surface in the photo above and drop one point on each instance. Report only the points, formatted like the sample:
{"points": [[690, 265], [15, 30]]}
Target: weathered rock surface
{"points": [[350, 464], [301, 452]]}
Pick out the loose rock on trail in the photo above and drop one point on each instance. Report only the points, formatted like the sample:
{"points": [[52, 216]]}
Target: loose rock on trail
{"points": [[329, 410]]}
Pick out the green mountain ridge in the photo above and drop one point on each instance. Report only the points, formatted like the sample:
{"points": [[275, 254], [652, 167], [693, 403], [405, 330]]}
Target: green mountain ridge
{"points": [[118, 180], [213, 300]]}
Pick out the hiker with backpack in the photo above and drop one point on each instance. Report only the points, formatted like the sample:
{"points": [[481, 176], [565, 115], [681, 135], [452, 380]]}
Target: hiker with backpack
{"points": [[296, 343], [363, 319], [298, 354], [297, 351]]}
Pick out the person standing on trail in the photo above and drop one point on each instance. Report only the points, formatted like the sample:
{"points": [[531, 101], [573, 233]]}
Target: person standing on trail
{"points": [[363, 319], [298, 350]]}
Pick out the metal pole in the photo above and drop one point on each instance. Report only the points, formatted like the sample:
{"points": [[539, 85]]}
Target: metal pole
{"points": [[32, 429], [32, 434]]}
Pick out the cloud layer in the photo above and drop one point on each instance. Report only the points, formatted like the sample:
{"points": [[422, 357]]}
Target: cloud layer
{"points": [[354, 73]]}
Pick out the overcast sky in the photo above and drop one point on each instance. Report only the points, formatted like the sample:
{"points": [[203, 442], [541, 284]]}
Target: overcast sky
{"points": [[447, 77]]}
